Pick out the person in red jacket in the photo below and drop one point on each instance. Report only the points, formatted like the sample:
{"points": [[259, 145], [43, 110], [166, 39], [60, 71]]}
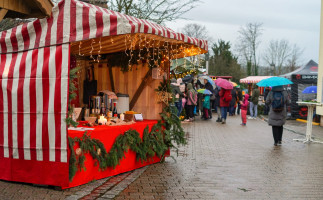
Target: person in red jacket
{"points": [[244, 108], [225, 98]]}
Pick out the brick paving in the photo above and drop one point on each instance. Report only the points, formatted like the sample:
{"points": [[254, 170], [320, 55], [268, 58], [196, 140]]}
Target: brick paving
{"points": [[233, 162], [220, 162]]}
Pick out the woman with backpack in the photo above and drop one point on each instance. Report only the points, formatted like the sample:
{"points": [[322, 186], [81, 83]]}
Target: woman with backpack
{"points": [[277, 101], [225, 99]]}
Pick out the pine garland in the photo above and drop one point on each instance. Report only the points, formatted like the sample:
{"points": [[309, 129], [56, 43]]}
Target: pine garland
{"points": [[167, 133], [73, 75], [152, 144]]}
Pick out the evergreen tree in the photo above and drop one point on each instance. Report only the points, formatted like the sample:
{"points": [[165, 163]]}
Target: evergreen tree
{"points": [[223, 62]]}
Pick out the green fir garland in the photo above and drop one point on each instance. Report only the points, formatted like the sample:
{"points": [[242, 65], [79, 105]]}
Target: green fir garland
{"points": [[167, 133], [72, 94]]}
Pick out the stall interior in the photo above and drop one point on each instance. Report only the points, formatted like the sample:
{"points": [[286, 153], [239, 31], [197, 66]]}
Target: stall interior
{"points": [[124, 65]]}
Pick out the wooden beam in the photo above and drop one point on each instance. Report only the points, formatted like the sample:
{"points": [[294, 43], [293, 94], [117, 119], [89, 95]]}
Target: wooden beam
{"points": [[111, 79], [145, 81], [45, 6], [3, 13], [19, 6]]}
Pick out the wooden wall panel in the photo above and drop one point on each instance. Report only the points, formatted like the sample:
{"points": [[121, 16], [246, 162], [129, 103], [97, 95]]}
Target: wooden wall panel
{"points": [[126, 83]]}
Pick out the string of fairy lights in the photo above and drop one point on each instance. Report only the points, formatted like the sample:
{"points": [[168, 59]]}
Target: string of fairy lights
{"points": [[154, 52]]}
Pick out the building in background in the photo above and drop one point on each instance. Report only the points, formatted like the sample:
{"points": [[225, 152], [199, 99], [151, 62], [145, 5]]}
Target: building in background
{"points": [[319, 109]]}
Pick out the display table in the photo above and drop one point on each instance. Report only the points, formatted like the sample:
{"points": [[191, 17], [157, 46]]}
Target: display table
{"points": [[310, 112], [107, 135]]}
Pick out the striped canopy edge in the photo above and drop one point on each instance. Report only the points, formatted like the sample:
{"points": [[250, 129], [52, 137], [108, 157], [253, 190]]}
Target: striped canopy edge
{"points": [[73, 20]]}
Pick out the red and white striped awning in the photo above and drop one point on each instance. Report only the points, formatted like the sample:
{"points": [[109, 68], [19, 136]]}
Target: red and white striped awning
{"points": [[73, 21], [253, 79]]}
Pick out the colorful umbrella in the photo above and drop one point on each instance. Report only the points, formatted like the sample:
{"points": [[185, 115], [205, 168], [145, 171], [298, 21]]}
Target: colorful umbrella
{"points": [[310, 90], [204, 91], [274, 81], [223, 83], [234, 84], [201, 79]]}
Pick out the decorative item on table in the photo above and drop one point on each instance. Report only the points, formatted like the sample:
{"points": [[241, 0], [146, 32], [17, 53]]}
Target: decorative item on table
{"points": [[90, 119], [76, 113], [138, 117], [129, 116], [122, 117], [102, 120], [95, 105], [115, 112], [122, 103], [103, 110]]}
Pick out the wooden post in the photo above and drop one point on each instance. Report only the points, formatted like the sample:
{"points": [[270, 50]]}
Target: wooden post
{"points": [[143, 84], [111, 79], [3, 13]]}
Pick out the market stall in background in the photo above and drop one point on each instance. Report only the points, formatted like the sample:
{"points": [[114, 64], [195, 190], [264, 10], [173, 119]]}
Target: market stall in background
{"points": [[252, 80], [302, 78], [97, 66]]}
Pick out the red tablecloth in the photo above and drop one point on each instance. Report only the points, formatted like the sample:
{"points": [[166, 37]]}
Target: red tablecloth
{"points": [[107, 135]]}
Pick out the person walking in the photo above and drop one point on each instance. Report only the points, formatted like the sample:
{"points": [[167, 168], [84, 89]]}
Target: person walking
{"points": [[239, 98], [208, 86], [191, 102], [254, 102], [178, 96], [217, 102], [233, 102], [277, 100], [225, 98], [206, 107], [244, 108], [266, 109]]}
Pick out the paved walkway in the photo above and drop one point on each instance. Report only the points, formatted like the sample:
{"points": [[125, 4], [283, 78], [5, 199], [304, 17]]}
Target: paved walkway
{"points": [[220, 162], [233, 162]]}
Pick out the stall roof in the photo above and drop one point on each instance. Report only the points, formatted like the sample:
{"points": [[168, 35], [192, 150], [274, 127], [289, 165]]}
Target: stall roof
{"points": [[311, 68], [25, 9], [73, 22], [253, 79]]}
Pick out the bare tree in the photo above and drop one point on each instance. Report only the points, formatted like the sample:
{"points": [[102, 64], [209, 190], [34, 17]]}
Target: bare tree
{"points": [[293, 60], [248, 44], [196, 31], [276, 54], [158, 11], [281, 55]]}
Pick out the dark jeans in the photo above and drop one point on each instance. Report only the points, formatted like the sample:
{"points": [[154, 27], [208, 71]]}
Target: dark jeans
{"points": [[231, 110], [277, 133], [238, 109], [179, 107], [266, 110], [224, 112], [190, 111]]}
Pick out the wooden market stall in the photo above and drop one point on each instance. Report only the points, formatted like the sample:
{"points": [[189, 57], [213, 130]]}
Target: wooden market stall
{"points": [[127, 55], [250, 80]]}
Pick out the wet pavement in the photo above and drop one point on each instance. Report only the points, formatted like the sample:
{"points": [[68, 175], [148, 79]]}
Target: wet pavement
{"points": [[233, 162], [220, 161]]}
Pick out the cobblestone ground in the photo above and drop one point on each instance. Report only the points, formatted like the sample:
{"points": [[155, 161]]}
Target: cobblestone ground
{"points": [[219, 162], [233, 162]]}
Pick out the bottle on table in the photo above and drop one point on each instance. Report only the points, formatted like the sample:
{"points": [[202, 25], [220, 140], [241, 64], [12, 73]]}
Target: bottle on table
{"points": [[115, 112], [103, 109]]}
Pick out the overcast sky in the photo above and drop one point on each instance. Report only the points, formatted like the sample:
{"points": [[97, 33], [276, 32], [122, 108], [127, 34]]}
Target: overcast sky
{"points": [[298, 21]]}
